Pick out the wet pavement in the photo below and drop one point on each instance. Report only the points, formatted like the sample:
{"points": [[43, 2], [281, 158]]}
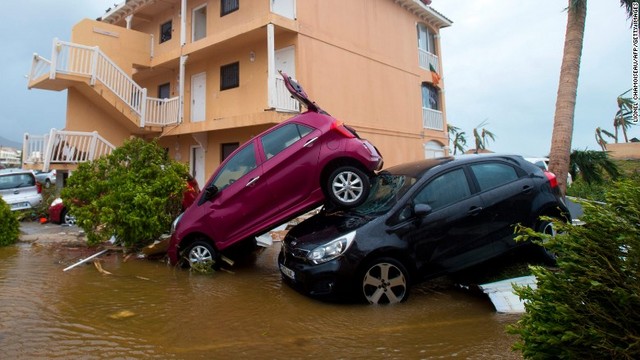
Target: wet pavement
{"points": [[146, 309]]}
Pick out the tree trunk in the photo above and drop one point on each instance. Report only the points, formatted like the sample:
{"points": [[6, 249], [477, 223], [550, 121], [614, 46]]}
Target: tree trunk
{"points": [[567, 92]]}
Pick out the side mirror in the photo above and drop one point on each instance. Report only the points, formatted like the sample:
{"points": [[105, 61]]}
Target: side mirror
{"points": [[209, 192], [422, 210]]}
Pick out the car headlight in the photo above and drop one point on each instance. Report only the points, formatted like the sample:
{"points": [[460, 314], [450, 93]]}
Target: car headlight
{"points": [[332, 249], [175, 222]]}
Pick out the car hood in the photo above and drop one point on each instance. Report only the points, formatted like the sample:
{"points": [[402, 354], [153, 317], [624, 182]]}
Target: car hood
{"points": [[299, 94], [322, 228]]}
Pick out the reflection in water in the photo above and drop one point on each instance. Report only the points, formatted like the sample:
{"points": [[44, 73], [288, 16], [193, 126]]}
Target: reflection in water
{"points": [[147, 309]]}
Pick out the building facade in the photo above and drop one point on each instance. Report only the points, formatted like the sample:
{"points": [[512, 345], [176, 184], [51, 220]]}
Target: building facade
{"points": [[202, 76]]}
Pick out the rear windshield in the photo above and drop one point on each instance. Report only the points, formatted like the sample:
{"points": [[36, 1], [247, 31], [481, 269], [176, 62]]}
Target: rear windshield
{"points": [[11, 181]]}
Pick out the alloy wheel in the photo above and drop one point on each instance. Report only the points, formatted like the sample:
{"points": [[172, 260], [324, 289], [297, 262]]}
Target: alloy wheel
{"points": [[385, 283]]}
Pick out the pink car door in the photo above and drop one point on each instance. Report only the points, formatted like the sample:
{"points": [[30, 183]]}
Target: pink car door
{"points": [[242, 201], [291, 166]]}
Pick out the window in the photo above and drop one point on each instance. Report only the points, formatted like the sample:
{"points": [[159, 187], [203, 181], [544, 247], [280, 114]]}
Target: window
{"points": [[227, 149], [238, 166], [230, 76], [491, 175], [445, 190], [426, 39], [430, 97], [228, 6], [164, 91], [165, 31], [280, 139]]}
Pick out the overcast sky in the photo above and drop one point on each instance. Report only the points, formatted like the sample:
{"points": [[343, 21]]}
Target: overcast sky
{"points": [[501, 63]]}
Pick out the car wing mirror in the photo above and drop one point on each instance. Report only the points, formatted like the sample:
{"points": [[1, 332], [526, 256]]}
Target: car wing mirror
{"points": [[209, 192], [422, 210]]}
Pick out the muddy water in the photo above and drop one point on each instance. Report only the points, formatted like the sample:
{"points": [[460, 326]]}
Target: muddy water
{"points": [[146, 309]]}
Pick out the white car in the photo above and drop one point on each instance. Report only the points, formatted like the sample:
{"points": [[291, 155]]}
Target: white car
{"points": [[46, 178], [543, 163], [20, 189]]}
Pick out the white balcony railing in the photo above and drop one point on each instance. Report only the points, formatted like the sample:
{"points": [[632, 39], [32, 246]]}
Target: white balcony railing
{"points": [[432, 119], [64, 147], [87, 61], [426, 59], [283, 98]]}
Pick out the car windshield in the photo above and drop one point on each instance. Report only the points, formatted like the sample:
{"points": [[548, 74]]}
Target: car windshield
{"points": [[386, 189]]}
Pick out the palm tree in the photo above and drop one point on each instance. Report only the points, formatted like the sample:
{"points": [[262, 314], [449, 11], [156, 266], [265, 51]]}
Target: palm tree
{"points": [[623, 118], [559, 156], [482, 137], [600, 140], [592, 164], [459, 140]]}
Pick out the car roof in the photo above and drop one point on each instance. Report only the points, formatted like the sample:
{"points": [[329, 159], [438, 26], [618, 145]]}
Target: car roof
{"points": [[15, 171], [418, 168]]}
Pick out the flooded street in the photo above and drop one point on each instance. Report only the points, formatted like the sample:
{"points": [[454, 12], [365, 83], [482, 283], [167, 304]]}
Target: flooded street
{"points": [[146, 309]]}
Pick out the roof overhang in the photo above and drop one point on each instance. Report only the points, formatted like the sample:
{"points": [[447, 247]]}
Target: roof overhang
{"points": [[425, 12], [121, 11]]}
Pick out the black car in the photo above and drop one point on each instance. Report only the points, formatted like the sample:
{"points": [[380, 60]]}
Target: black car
{"points": [[421, 220]]}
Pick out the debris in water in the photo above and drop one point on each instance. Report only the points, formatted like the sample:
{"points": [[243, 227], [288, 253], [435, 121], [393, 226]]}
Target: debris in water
{"points": [[98, 266], [123, 314]]}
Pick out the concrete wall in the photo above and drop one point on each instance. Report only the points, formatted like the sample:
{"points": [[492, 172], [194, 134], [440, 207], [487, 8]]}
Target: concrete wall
{"points": [[624, 150]]}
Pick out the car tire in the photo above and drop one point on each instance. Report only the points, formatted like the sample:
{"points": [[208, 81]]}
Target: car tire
{"points": [[66, 218], [199, 251], [546, 227], [348, 186], [384, 281]]}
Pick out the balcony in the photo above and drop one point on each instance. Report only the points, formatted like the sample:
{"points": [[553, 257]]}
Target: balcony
{"points": [[427, 59], [432, 119]]}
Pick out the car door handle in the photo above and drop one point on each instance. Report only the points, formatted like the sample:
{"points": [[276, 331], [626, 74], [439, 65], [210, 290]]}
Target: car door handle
{"points": [[311, 141], [526, 189], [252, 181], [475, 210]]}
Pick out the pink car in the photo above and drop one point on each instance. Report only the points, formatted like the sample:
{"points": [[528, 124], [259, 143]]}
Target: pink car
{"points": [[282, 173]]}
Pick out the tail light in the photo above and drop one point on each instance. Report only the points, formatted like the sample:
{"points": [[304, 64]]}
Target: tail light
{"points": [[553, 181], [39, 187], [340, 128]]}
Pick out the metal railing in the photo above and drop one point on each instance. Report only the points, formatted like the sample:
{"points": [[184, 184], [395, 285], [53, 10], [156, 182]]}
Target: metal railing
{"points": [[432, 119], [283, 98], [426, 58], [64, 147], [89, 61]]}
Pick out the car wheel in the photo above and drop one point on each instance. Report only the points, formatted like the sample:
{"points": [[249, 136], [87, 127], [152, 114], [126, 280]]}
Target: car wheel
{"points": [[385, 281], [200, 251], [66, 218], [546, 227], [348, 186]]}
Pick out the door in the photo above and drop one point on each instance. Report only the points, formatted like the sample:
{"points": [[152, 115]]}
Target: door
{"points": [[198, 97], [285, 61], [199, 23], [291, 166], [242, 202], [507, 193], [448, 238], [196, 162], [286, 8]]}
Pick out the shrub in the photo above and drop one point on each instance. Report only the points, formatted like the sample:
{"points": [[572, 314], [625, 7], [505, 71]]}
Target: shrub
{"points": [[133, 194], [587, 307], [9, 225]]}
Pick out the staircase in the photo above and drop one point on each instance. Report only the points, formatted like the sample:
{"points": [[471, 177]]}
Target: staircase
{"points": [[71, 64]]}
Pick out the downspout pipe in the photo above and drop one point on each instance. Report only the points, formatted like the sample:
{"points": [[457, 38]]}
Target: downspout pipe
{"points": [[183, 58]]}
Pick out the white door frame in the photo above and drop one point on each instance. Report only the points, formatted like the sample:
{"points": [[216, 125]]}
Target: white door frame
{"points": [[196, 164], [198, 97]]}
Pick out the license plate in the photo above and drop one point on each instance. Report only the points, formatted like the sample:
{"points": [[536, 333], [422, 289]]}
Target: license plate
{"points": [[288, 272], [19, 205]]}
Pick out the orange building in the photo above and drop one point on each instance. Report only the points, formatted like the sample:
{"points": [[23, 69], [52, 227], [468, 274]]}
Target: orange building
{"points": [[201, 75]]}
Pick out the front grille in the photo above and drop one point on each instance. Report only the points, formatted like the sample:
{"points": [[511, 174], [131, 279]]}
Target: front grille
{"points": [[294, 252]]}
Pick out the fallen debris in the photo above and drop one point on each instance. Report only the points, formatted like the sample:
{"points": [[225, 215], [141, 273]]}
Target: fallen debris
{"points": [[86, 260]]}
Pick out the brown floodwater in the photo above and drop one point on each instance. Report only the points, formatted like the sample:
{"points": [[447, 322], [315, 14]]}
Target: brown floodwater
{"points": [[147, 309]]}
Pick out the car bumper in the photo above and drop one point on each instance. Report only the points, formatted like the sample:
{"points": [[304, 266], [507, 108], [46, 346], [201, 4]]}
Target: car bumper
{"points": [[329, 280]]}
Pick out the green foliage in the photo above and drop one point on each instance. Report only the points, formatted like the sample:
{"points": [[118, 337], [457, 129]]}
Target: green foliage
{"points": [[587, 307], [592, 165], [583, 190], [9, 225], [133, 194]]}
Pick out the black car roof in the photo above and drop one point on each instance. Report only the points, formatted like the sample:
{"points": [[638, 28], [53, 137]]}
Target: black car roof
{"points": [[418, 168]]}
